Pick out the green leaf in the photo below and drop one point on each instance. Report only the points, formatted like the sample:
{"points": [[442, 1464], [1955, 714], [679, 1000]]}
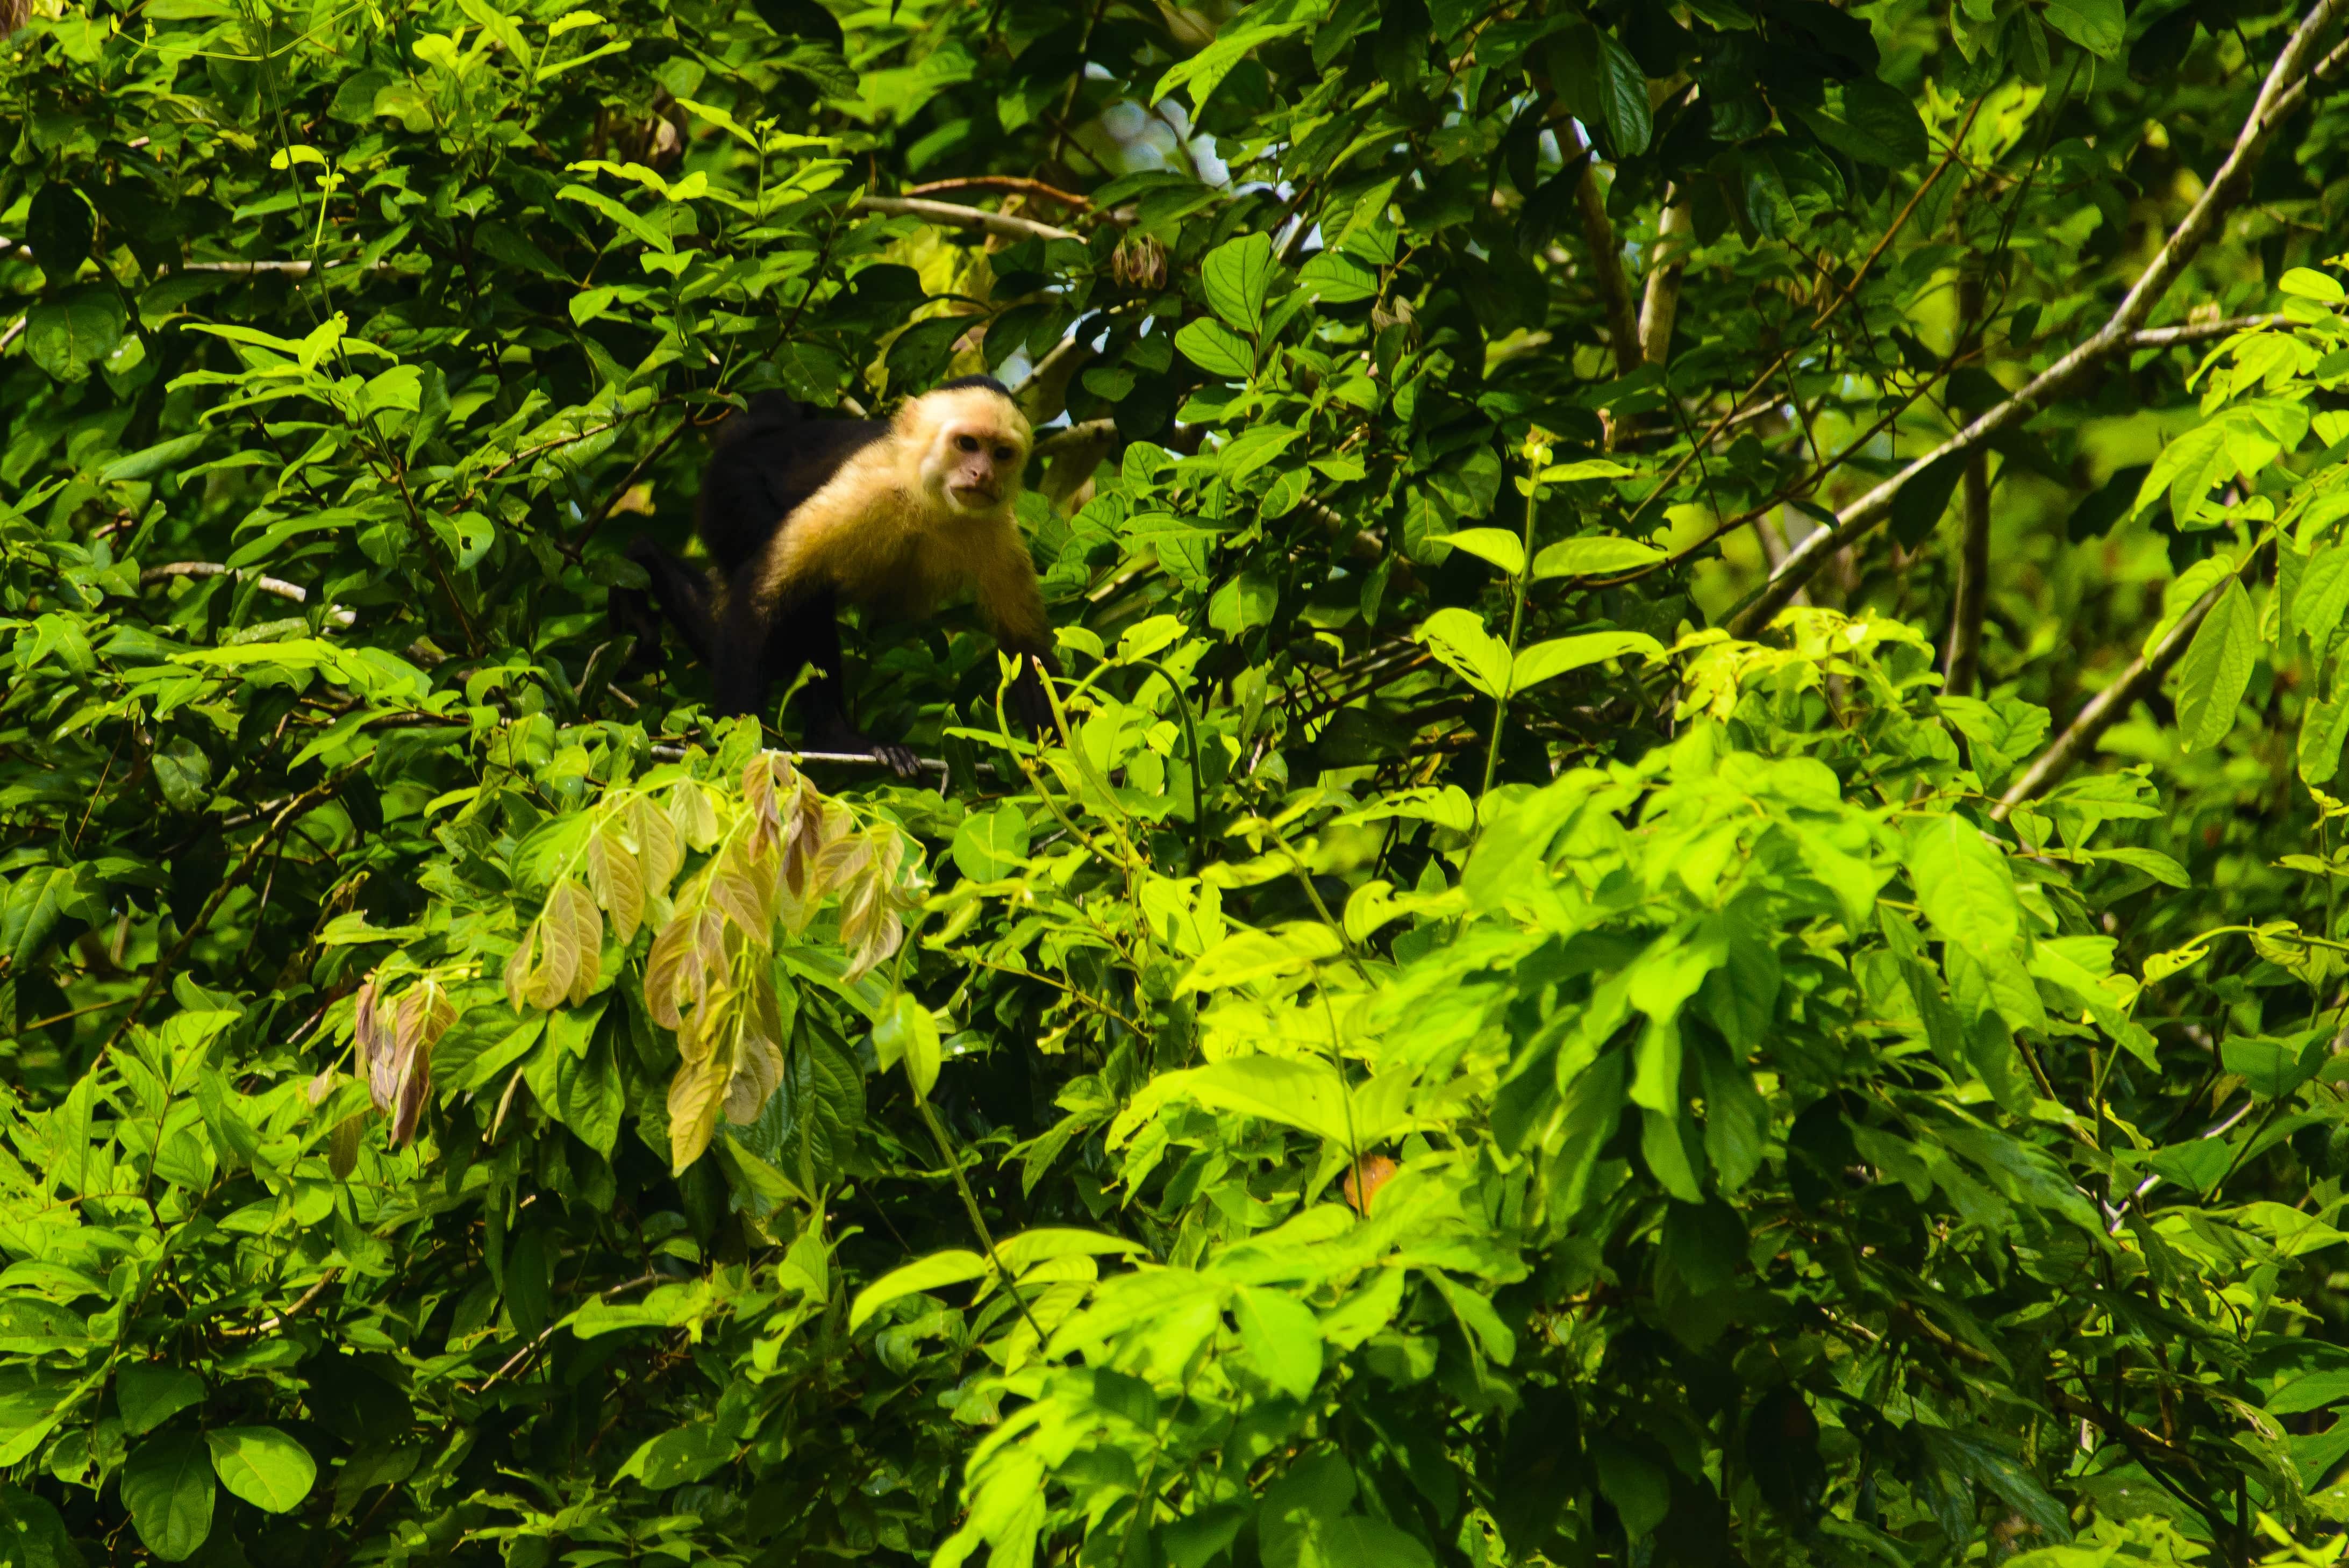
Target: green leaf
{"points": [[149, 462], [1966, 887], [908, 1033], [146, 1396], [1244, 603], [1638, 1487], [1282, 1336], [1559, 654], [167, 1485], [1497, 545], [33, 1535], [1918, 506], [990, 845], [1023, 1252], [1236, 275], [1458, 638], [263, 1466], [1204, 72], [1624, 97], [1333, 279], [2305, 282], [2217, 670], [932, 1272], [678, 1457], [67, 336], [1595, 555], [1217, 349], [59, 227], [2099, 26]]}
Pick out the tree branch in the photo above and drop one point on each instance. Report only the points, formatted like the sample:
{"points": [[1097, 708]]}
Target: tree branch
{"points": [[284, 590], [1606, 259], [1961, 667], [959, 217], [2284, 91], [2143, 675], [1016, 183], [1661, 301]]}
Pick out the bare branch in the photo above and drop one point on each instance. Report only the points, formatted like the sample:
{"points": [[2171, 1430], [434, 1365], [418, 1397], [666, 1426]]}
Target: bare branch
{"points": [[955, 216], [1661, 301], [1016, 183], [2283, 91], [1962, 666], [1606, 259], [2143, 675], [283, 589]]}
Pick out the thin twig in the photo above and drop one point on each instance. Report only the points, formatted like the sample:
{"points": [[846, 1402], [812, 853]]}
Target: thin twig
{"points": [[1013, 183], [1606, 258], [2143, 675], [2283, 91], [301, 1303], [278, 586], [955, 216]]}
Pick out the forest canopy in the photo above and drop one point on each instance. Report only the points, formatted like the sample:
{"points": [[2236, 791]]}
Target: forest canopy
{"points": [[1680, 906]]}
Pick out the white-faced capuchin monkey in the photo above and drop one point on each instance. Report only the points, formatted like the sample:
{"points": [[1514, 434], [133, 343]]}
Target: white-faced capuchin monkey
{"points": [[803, 516]]}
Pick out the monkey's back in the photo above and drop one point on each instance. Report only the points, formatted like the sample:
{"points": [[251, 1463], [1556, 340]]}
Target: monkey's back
{"points": [[769, 459]]}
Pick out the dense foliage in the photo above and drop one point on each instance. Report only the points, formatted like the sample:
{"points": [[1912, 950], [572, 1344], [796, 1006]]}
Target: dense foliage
{"points": [[1682, 907]]}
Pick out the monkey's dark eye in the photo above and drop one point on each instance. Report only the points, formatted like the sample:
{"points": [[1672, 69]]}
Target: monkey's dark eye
{"points": [[1003, 454], [966, 443]]}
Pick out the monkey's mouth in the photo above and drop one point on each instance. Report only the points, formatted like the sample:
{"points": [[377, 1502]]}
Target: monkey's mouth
{"points": [[972, 498]]}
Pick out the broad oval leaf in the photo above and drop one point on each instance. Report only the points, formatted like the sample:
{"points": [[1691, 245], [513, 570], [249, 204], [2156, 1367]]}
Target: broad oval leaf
{"points": [[1459, 638], [1217, 349], [2216, 669], [167, 1485], [147, 1396], [1497, 545], [1966, 887], [263, 1466], [1555, 658], [1238, 275], [1597, 555], [931, 1272], [1025, 1251], [1334, 279]]}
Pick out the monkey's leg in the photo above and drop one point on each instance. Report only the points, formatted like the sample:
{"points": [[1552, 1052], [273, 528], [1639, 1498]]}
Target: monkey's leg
{"points": [[809, 634], [683, 595]]}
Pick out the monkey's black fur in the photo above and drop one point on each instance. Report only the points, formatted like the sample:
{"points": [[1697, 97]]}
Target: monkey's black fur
{"points": [[767, 461]]}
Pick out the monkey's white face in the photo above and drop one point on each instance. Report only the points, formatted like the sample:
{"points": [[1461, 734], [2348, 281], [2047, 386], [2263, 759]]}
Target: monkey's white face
{"points": [[973, 466]]}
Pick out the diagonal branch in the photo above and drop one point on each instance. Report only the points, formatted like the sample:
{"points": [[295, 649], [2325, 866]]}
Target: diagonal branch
{"points": [[954, 215], [1606, 257], [2284, 91], [1675, 233], [2143, 675]]}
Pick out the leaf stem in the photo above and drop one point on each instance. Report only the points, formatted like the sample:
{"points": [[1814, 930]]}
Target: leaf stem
{"points": [[1517, 581]]}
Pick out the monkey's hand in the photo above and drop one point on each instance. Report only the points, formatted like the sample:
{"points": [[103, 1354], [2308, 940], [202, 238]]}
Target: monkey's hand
{"points": [[846, 741], [1031, 701], [900, 758]]}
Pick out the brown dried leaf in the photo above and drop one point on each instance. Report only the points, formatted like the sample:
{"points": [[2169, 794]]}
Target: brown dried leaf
{"points": [[587, 938], [694, 1096], [366, 1028], [517, 975], [658, 848], [343, 1147], [617, 879], [745, 889], [695, 817], [758, 1073]]}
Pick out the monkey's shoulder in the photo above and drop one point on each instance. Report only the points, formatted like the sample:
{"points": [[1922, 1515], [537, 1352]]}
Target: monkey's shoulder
{"points": [[768, 462]]}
